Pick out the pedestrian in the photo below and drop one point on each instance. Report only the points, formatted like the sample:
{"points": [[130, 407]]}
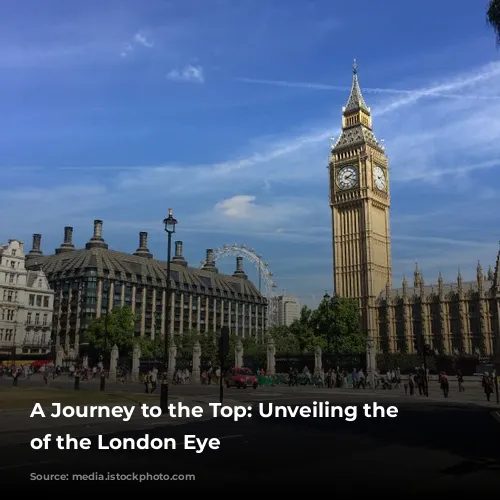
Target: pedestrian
{"points": [[460, 379], [445, 384]]}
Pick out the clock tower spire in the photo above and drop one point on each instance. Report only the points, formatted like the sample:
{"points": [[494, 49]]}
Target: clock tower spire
{"points": [[359, 202]]}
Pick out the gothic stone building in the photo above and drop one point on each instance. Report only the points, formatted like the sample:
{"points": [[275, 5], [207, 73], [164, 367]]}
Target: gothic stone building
{"points": [[91, 281], [459, 318]]}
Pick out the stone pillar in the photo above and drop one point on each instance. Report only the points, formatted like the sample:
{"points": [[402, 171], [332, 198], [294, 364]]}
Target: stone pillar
{"points": [[172, 357], [85, 361], [111, 295], [136, 362], [238, 354], [99, 299], [143, 310], [113, 363], [318, 362], [196, 374], [271, 357], [59, 356], [122, 293], [207, 313], [181, 319], [132, 299]]}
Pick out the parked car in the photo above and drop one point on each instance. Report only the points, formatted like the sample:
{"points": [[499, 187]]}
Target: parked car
{"points": [[241, 378]]}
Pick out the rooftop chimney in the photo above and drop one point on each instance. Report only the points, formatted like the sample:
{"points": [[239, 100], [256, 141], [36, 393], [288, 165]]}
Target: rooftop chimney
{"points": [[67, 246], [178, 257], [239, 273], [143, 251], [36, 246], [209, 262], [96, 241]]}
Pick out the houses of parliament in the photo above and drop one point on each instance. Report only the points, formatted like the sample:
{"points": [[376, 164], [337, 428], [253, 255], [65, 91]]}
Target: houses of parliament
{"points": [[462, 318]]}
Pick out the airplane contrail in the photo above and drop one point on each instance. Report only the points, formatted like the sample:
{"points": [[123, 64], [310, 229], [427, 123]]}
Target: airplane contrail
{"points": [[369, 90]]}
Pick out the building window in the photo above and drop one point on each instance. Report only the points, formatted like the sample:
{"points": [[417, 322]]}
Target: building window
{"points": [[10, 315], [32, 300], [28, 319], [46, 302], [37, 318], [45, 319], [12, 264], [40, 283], [39, 301], [13, 253], [12, 277], [9, 296]]}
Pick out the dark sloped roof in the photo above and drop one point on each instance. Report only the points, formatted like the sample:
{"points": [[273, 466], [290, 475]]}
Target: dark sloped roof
{"points": [[136, 269], [355, 136]]}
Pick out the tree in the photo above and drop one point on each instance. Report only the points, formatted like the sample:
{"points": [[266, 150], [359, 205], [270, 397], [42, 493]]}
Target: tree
{"points": [[151, 348], [114, 328], [338, 325], [493, 17], [285, 341]]}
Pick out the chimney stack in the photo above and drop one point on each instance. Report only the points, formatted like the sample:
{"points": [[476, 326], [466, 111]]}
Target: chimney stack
{"points": [[98, 229], [143, 251], [209, 262], [36, 246], [178, 257], [67, 246], [239, 273], [96, 241]]}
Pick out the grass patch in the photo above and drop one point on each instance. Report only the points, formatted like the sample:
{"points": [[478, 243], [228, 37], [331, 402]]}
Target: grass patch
{"points": [[15, 398]]}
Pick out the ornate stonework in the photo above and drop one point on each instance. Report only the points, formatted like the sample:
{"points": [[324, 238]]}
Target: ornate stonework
{"points": [[457, 318]]}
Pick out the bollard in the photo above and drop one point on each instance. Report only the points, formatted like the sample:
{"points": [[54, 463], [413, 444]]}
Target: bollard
{"points": [[77, 383], [14, 382], [164, 397], [103, 383]]}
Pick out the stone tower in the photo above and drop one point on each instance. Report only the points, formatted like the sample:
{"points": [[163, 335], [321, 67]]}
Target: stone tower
{"points": [[360, 201]]}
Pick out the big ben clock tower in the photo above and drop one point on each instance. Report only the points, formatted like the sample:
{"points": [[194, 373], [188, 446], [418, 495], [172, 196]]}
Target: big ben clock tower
{"points": [[360, 201]]}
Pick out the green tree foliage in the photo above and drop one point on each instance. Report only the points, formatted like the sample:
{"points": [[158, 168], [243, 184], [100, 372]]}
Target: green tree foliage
{"points": [[333, 327], [116, 327], [338, 325], [493, 17]]}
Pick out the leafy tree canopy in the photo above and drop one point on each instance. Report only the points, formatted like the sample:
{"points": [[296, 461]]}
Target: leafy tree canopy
{"points": [[116, 327], [493, 17], [333, 327], [338, 325]]}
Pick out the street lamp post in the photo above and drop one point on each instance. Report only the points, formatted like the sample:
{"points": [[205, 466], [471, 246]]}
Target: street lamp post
{"points": [[169, 222]]}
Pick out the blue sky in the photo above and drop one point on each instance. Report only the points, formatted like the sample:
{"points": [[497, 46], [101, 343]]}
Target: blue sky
{"points": [[223, 110]]}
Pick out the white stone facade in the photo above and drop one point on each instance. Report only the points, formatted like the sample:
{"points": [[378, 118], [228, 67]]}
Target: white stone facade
{"points": [[26, 304], [288, 309]]}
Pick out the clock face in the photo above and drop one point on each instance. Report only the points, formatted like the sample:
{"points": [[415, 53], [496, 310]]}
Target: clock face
{"points": [[379, 178], [347, 177]]}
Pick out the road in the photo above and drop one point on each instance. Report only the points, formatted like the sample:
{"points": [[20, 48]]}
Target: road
{"points": [[429, 447]]}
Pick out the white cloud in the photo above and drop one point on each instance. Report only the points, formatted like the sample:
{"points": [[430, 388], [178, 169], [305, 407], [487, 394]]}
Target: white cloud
{"points": [[140, 39], [192, 74], [127, 49], [244, 209]]}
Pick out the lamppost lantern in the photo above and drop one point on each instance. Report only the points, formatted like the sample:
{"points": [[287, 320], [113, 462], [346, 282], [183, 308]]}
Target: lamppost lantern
{"points": [[326, 296], [170, 222]]}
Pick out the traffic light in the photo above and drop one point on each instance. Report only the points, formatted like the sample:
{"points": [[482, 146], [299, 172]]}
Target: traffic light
{"points": [[224, 343]]}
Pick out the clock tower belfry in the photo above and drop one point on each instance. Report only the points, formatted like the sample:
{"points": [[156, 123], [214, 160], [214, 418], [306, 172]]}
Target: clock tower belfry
{"points": [[360, 201]]}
